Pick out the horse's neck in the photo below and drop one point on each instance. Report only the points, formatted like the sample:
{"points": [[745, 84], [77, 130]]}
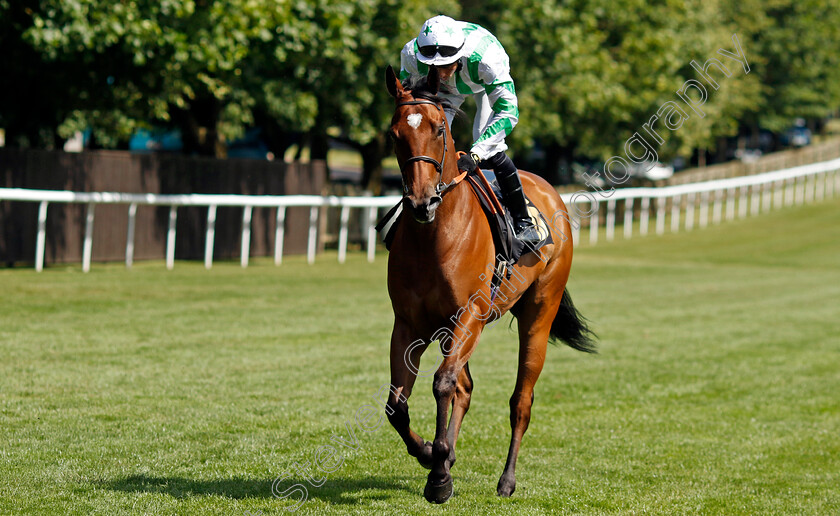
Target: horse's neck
{"points": [[454, 216], [452, 220]]}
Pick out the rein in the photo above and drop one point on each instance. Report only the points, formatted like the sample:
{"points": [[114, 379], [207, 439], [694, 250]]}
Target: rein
{"points": [[441, 188]]}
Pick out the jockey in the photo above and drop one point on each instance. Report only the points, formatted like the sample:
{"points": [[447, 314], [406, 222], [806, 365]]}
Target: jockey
{"points": [[471, 61]]}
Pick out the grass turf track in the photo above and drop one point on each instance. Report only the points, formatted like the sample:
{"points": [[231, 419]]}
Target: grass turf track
{"points": [[188, 392]]}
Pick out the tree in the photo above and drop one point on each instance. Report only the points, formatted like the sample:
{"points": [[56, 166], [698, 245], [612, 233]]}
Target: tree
{"points": [[590, 73], [798, 58], [37, 92], [178, 63], [214, 67]]}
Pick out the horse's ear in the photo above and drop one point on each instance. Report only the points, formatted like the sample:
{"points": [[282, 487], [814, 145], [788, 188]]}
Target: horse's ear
{"points": [[433, 80], [394, 86]]}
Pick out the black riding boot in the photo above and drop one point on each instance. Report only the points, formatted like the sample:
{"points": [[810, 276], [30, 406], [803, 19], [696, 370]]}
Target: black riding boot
{"points": [[513, 197]]}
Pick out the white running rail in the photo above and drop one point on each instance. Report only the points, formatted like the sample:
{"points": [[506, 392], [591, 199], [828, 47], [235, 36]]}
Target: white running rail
{"points": [[753, 194]]}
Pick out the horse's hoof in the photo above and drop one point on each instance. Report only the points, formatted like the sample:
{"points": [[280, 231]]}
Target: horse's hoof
{"points": [[506, 487], [438, 493], [425, 458]]}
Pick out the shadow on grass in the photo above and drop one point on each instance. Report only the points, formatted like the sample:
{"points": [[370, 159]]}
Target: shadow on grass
{"points": [[346, 491]]}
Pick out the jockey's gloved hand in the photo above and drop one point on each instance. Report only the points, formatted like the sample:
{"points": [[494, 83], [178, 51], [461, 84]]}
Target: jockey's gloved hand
{"points": [[468, 162]]}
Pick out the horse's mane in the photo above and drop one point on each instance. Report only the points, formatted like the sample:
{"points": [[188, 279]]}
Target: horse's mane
{"points": [[419, 87]]}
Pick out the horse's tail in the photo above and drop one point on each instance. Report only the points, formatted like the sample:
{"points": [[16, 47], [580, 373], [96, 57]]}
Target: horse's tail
{"points": [[571, 327]]}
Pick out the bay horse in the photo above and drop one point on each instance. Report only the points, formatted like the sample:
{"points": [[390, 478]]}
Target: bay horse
{"points": [[442, 255]]}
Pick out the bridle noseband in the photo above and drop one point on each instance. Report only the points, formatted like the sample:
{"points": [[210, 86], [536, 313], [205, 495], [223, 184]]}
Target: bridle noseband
{"points": [[441, 188]]}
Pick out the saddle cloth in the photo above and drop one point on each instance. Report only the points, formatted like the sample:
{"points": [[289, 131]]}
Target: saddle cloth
{"points": [[485, 187]]}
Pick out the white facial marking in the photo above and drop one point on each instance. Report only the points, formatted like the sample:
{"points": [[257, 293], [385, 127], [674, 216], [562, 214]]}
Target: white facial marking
{"points": [[414, 120]]}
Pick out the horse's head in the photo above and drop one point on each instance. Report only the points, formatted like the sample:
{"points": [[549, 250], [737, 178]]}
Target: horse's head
{"points": [[420, 136]]}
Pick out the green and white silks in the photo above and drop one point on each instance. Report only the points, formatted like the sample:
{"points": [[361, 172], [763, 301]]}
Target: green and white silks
{"points": [[484, 74]]}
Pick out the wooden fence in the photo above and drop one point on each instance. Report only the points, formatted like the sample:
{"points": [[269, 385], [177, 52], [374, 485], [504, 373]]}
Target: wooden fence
{"points": [[147, 173], [701, 202]]}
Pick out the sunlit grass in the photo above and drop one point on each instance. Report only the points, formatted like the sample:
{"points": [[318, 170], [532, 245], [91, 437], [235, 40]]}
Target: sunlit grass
{"points": [[189, 391]]}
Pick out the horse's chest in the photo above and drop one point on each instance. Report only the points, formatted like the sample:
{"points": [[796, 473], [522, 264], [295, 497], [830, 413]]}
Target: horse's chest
{"points": [[424, 302]]}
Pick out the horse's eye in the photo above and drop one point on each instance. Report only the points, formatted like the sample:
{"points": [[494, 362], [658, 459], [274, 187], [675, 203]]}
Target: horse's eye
{"points": [[441, 130]]}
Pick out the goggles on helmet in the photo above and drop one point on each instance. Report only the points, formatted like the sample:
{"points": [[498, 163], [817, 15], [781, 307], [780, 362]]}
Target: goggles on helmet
{"points": [[443, 50]]}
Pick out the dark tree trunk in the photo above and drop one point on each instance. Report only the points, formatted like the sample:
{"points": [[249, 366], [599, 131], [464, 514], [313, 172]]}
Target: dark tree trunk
{"points": [[722, 144], [200, 129], [319, 142], [558, 163], [276, 138], [372, 154], [319, 145]]}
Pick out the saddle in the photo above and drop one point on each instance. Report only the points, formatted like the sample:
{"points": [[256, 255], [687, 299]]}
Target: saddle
{"points": [[508, 248], [486, 188]]}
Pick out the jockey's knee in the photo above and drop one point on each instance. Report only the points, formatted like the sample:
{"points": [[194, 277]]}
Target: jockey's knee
{"points": [[500, 163]]}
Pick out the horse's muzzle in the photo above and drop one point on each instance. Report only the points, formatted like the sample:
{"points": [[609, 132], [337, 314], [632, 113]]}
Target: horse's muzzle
{"points": [[423, 210]]}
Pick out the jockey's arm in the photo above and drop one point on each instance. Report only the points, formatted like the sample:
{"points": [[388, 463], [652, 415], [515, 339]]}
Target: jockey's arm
{"points": [[505, 116], [493, 71]]}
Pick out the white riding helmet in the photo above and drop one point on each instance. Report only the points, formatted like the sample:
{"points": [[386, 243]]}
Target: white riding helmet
{"points": [[440, 42]]}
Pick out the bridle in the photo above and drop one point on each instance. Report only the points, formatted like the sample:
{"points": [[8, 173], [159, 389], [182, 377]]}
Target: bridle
{"points": [[441, 188]]}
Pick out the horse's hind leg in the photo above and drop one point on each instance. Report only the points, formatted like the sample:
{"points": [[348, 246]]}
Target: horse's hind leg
{"points": [[402, 382], [460, 406], [534, 321]]}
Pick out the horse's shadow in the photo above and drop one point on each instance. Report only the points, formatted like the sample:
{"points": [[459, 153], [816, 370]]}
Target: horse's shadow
{"points": [[345, 491]]}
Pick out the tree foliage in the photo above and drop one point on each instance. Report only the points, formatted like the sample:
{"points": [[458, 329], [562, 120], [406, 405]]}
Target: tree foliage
{"points": [[797, 48], [589, 73]]}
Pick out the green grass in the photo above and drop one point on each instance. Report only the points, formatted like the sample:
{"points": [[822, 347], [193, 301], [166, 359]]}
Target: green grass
{"points": [[189, 391]]}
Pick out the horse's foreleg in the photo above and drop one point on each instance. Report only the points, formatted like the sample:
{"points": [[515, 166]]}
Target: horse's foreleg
{"points": [[439, 484], [460, 406], [403, 377]]}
